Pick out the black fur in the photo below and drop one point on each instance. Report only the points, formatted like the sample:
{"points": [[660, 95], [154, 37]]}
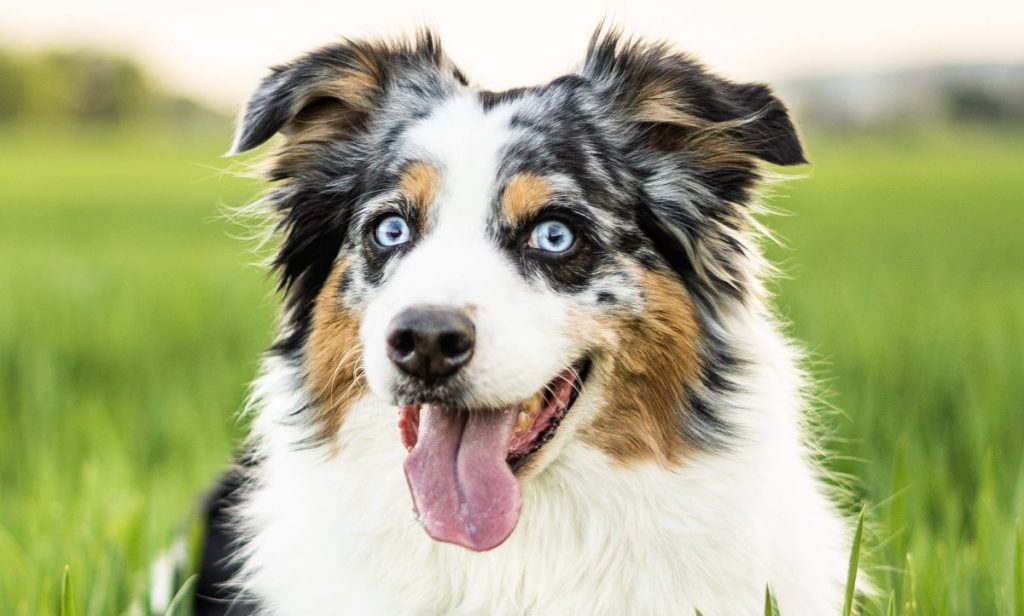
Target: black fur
{"points": [[215, 595]]}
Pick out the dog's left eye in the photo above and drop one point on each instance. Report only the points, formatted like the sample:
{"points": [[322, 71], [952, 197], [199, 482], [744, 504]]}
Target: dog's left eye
{"points": [[552, 236], [392, 231]]}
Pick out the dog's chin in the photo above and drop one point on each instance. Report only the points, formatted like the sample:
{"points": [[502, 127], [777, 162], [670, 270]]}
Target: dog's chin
{"points": [[465, 464]]}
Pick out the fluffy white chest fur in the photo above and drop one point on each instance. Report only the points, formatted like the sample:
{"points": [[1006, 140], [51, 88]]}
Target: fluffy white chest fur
{"points": [[334, 532]]}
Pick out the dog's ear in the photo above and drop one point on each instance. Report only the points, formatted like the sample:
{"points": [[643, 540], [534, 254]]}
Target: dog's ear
{"points": [[332, 91], [345, 78], [701, 140], [653, 85], [717, 128]]}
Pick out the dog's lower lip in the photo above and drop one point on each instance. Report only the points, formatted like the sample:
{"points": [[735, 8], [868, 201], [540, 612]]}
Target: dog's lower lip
{"points": [[523, 445], [578, 374]]}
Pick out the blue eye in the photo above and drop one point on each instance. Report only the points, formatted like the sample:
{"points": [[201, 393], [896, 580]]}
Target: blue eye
{"points": [[552, 236], [392, 231]]}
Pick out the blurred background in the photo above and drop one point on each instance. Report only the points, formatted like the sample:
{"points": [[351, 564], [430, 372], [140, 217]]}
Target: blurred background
{"points": [[132, 316]]}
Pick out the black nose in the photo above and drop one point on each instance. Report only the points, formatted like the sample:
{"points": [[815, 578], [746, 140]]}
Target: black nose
{"points": [[430, 342]]}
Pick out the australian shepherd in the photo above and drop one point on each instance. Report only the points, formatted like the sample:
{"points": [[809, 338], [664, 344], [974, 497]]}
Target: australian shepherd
{"points": [[526, 362]]}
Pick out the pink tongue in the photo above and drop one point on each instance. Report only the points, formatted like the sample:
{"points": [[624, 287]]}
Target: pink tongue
{"points": [[463, 490]]}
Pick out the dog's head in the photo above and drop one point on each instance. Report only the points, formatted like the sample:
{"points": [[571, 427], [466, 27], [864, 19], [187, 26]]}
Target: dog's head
{"points": [[514, 271]]}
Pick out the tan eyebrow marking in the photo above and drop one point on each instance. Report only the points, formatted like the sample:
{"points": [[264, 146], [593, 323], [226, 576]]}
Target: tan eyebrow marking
{"points": [[524, 194], [420, 184]]}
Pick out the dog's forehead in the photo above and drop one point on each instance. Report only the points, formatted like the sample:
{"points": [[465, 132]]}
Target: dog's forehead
{"points": [[465, 143], [513, 151]]}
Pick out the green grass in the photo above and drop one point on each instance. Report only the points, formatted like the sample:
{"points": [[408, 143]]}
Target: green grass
{"points": [[131, 323], [129, 329], [906, 280]]}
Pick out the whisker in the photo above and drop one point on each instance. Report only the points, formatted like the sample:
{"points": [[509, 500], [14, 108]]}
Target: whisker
{"points": [[575, 381]]}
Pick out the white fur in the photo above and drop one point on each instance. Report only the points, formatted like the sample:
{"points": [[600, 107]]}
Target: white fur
{"points": [[335, 533], [523, 336], [338, 535]]}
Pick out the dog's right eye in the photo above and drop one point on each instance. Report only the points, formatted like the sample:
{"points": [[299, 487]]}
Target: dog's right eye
{"points": [[553, 236], [392, 231]]}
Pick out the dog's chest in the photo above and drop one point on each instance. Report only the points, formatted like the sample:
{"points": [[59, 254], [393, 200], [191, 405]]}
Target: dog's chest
{"points": [[341, 537]]}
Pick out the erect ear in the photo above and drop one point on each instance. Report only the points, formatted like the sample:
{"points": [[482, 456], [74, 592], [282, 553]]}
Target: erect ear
{"points": [[333, 90], [674, 95]]}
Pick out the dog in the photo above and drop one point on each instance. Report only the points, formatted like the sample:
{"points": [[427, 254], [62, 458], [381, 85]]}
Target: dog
{"points": [[526, 360]]}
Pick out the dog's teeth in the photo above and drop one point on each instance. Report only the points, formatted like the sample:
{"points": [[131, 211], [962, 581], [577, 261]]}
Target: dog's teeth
{"points": [[535, 403], [522, 421]]}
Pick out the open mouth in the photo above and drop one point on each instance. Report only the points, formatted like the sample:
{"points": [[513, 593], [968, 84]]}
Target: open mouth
{"points": [[462, 463]]}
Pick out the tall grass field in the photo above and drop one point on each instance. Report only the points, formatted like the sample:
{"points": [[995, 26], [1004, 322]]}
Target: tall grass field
{"points": [[131, 321]]}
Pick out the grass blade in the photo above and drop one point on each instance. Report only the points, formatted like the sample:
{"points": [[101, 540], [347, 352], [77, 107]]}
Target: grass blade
{"points": [[851, 575], [67, 602], [892, 603], [910, 605], [177, 604], [771, 607], [1018, 574]]}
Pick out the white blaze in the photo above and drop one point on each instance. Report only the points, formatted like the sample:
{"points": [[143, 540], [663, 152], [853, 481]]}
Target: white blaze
{"points": [[522, 340]]}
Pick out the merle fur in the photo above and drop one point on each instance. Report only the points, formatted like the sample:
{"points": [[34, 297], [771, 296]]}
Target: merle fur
{"points": [[578, 126], [637, 188]]}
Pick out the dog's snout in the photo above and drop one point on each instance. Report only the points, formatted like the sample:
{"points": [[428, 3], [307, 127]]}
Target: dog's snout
{"points": [[430, 342]]}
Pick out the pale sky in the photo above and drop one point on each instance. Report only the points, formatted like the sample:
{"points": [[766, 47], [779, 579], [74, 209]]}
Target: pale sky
{"points": [[218, 50]]}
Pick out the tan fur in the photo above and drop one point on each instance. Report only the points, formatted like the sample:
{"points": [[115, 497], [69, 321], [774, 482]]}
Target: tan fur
{"points": [[309, 132], [524, 194], [358, 88], [332, 109], [713, 142], [420, 184], [656, 358], [657, 102], [334, 358]]}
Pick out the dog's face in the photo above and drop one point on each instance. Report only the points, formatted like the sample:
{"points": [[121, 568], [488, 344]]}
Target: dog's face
{"points": [[514, 271]]}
